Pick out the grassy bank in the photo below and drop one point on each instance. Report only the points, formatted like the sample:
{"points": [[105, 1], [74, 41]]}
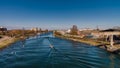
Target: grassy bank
{"points": [[83, 40], [14, 36], [92, 42], [6, 42]]}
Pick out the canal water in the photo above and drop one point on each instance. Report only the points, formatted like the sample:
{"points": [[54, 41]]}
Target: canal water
{"points": [[36, 52]]}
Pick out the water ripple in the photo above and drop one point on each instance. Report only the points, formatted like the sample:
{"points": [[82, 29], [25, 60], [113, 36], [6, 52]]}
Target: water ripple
{"points": [[36, 53]]}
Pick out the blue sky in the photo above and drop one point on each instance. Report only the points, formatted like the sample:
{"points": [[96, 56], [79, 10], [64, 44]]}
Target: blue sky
{"points": [[59, 14]]}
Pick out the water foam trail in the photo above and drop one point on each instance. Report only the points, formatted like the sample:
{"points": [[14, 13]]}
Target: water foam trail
{"points": [[56, 50]]}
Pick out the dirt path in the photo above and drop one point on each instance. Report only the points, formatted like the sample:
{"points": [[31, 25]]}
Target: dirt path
{"points": [[4, 38]]}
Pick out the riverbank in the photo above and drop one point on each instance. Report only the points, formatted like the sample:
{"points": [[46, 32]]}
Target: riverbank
{"points": [[6, 41], [83, 40], [97, 43]]}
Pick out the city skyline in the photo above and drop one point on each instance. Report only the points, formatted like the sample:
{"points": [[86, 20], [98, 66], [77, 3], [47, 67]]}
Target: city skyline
{"points": [[60, 14]]}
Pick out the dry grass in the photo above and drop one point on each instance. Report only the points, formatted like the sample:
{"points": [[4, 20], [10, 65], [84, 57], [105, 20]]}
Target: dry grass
{"points": [[7, 42], [84, 40]]}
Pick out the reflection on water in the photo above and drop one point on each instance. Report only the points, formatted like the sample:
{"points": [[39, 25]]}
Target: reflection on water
{"points": [[36, 52], [23, 42], [112, 64]]}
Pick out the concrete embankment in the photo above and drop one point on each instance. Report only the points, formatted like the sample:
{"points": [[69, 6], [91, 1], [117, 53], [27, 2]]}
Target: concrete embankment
{"points": [[5, 41]]}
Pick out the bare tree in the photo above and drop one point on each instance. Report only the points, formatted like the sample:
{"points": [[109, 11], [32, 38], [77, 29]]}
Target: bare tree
{"points": [[74, 30]]}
